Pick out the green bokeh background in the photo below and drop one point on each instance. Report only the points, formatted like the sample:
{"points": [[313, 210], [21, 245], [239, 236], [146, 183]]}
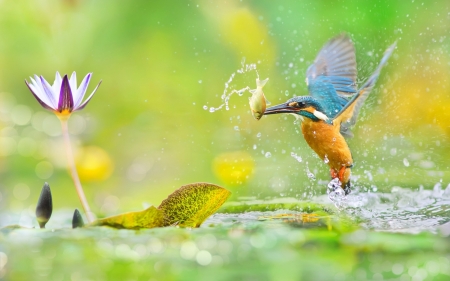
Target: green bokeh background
{"points": [[161, 62]]}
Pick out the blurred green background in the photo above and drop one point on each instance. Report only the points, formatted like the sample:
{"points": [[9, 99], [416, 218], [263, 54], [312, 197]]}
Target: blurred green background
{"points": [[146, 133]]}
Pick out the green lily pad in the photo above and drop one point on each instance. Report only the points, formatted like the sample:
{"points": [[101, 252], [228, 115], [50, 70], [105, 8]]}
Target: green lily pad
{"points": [[192, 204]]}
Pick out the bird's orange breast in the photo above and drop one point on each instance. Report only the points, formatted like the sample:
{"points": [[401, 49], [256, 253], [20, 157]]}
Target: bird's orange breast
{"points": [[328, 143]]}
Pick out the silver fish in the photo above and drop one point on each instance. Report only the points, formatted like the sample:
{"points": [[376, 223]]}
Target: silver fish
{"points": [[258, 101]]}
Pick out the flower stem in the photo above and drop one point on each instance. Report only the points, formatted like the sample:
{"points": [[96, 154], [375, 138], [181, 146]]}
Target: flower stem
{"points": [[73, 169]]}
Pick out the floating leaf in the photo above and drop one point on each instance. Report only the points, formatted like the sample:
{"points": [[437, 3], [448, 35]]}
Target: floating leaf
{"points": [[44, 206], [77, 220], [148, 218], [192, 204], [188, 206]]}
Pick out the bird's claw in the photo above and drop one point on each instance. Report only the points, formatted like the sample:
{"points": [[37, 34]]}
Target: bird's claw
{"points": [[348, 188]]}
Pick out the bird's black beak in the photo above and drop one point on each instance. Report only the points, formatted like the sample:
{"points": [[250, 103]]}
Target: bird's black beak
{"points": [[281, 108]]}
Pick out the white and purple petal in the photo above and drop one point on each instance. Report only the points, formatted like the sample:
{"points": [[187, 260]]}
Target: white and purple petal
{"points": [[57, 84], [78, 97], [36, 82], [36, 86], [73, 85], [48, 90], [89, 98], [34, 92], [65, 102]]}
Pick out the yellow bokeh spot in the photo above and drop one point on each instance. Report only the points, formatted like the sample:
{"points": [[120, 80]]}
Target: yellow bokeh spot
{"points": [[247, 35], [93, 164], [234, 168]]}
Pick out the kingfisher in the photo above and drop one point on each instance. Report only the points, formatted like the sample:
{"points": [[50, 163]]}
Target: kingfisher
{"points": [[333, 104]]}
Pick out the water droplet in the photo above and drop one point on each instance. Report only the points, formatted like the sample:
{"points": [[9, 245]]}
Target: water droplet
{"points": [[337, 195], [369, 175], [310, 175], [243, 61], [212, 109], [236, 128], [446, 193], [205, 107], [405, 162], [333, 185], [199, 81], [268, 155], [326, 160], [258, 135], [296, 157], [255, 146], [393, 151], [286, 93]]}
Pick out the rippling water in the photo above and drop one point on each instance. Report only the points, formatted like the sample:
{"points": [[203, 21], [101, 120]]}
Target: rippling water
{"points": [[401, 210]]}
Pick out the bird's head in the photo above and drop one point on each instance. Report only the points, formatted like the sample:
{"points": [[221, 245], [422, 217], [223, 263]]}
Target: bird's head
{"points": [[302, 107]]}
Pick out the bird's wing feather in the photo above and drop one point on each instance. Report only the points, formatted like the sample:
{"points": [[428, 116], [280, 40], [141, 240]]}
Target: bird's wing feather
{"points": [[349, 113], [325, 93], [336, 61]]}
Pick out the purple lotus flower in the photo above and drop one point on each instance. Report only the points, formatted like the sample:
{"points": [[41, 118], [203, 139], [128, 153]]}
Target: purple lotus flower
{"points": [[63, 97]]}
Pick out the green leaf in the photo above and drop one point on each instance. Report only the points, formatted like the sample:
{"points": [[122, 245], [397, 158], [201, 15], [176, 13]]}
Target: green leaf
{"points": [[192, 204], [188, 206], [148, 218]]}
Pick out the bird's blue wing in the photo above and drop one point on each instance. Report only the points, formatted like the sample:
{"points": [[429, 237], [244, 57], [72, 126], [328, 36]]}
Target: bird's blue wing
{"points": [[337, 62], [349, 113], [325, 93], [331, 78]]}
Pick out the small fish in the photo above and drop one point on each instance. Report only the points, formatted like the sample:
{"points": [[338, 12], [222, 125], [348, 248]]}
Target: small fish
{"points": [[258, 101]]}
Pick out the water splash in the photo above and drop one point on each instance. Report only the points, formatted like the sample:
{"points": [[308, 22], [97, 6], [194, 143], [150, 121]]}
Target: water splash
{"points": [[405, 162], [400, 210], [335, 192], [296, 157], [228, 91], [309, 174]]}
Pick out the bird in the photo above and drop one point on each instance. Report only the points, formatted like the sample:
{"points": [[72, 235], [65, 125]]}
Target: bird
{"points": [[333, 104]]}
